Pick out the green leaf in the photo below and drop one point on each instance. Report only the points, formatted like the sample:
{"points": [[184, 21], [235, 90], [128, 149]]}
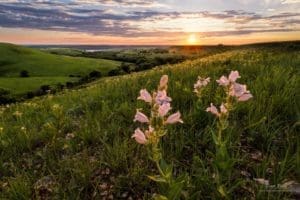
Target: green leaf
{"points": [[215, 139], [167, 169], [221, 190], [175, 190], [160, 197], [157, 178]]}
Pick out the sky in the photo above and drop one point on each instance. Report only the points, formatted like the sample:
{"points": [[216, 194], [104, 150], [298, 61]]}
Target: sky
{"points": [[148, 22]]}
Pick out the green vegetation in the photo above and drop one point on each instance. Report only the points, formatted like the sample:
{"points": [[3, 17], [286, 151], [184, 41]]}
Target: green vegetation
{"points": [[147, 58], [17, 63], [63, 51], [20, 86], [16, 58], [78, 145]]}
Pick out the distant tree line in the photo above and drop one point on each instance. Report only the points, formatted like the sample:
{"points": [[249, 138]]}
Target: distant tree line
{"points": [[138, 60], [7, 97]]}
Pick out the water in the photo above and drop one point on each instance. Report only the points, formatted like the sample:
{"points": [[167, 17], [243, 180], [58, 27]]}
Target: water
{"points": [[94, 48]]}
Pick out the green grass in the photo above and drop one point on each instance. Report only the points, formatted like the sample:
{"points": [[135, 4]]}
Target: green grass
{"points": [[43, 68], [36, 148], [22, 85], [16, 58], [64, 51]]}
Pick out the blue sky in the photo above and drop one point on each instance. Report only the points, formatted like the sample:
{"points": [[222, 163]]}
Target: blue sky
{"points": [[148, 21]]}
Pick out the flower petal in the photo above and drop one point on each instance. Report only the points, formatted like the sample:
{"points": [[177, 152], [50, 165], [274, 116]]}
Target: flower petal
{"points": [[141, 117], [223, 81], [139, 136], [163, 82], [174, 118], [162, 98], [233, 76], [245, 97], [145, 96], [164, 109], [212, 109], [237, 90], [223, 109]]}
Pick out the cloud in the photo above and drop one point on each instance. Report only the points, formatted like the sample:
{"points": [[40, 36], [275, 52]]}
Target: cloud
{"points": [[79, 16], [124, 3], [290, 1]]}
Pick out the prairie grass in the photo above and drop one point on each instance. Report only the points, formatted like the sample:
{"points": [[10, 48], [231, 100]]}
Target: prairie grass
{"points": [[77, 145], [44, 68]]}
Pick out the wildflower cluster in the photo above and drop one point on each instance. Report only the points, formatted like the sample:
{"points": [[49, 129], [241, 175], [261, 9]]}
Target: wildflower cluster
{"points": [[223, 162], [200, 84], [159, 118], [234, 91], [160, 104]]}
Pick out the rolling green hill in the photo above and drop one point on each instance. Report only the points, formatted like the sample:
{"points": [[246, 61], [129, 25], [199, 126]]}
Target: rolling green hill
{"points": [[16, 58], [43, 68], [78, 145]]}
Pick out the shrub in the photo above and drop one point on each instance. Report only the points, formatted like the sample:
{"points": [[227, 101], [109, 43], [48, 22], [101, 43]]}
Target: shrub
{"points": [[114, 72], [95, 74], [60, 86], [24, 73], [45, 88], [125, 67], [30, 95], [5, 96], [69, 84]]}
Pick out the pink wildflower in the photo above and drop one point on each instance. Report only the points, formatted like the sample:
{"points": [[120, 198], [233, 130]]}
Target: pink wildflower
{"points": [[233, 76], [145, 96], [164, 109], [163, 82], [139, 136], [162, 98], [149, 131], [213, 110], [240, 92], [174, 118], [201, 82], [223, 109], [223, 81], [245, 97], [141, 117], [237, 89]]}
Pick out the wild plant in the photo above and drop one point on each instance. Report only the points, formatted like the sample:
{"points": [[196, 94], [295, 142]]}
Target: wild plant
{"points": [[223, 162], [160, 106]]}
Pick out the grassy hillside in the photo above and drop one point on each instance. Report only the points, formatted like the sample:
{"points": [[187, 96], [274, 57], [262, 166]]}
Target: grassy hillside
{"points": [[16, 58], [20, 86], [43, 68], [78, 145]]}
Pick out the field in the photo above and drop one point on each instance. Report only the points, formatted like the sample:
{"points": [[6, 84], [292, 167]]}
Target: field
{"points": [[77, 144], [44, 68], [20, 86]]}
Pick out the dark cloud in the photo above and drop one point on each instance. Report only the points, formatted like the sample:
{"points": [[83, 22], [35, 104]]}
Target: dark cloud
{"points": [[127, 2]]}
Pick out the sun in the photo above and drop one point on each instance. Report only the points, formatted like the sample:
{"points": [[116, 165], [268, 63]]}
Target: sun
{"points": [[192, 39]]}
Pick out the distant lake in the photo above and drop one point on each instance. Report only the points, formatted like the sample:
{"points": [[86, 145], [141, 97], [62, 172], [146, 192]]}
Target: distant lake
{"points": [[94, 48]]}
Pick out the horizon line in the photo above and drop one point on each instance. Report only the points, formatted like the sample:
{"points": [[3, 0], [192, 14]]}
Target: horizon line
{"points": [[84, 44]]}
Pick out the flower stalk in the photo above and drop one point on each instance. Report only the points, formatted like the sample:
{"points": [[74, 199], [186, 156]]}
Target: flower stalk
{"points": [[160, 106], [223, 162]]}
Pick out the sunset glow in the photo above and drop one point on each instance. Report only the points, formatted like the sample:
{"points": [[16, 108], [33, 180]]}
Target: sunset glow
{"points": [[148, 22], [192, 40]]}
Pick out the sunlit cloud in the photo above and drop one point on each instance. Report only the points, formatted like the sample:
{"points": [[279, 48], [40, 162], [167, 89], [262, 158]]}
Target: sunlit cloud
{"points": [[131, 19], [290, 1]]}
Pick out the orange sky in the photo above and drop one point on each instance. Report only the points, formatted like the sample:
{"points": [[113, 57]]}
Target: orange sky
{"points": [[152, 22], [27, 36]]}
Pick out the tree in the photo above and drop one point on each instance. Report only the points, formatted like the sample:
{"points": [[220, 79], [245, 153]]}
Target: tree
{"points": [[95, 74], [24, 73], [125, 67], [114, 72]]}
